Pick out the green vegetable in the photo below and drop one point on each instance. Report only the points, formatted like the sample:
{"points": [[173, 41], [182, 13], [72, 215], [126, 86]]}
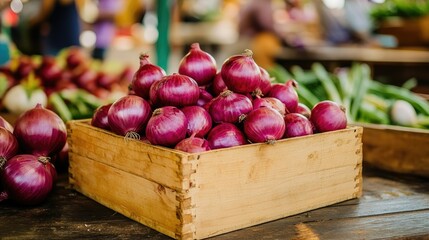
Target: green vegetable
{"points": [[327, 82]]}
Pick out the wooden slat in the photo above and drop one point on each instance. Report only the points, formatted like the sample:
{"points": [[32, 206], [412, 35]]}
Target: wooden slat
{"points": [[137, 198], [397, 149], [147, 161]]}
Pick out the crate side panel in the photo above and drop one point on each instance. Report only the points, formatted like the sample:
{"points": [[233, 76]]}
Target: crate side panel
{"points": [[144, 201], [248, 186], [397, 149], [128, 155]]}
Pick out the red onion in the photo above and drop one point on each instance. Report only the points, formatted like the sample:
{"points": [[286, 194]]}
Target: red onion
{"points": [[145, 76], [199, 121], [265, 85], [264, 125], [175, 90], [49, 71], [128, 115], [218, 85], [229, 107], [198, 65], [240, 73], [100, 118], [8, 146], [193, 145], [40, 132], [304, 110], [204, 98], [328, 116], [5, 124], [28, 179], [61, 161], [297, 125], [226, 135], [167, 126], [286, 93], [270, 102]]}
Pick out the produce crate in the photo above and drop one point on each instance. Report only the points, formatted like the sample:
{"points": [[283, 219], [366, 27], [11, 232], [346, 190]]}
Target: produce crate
{"points": [[194, 196], [396, 149], [408, 32]]}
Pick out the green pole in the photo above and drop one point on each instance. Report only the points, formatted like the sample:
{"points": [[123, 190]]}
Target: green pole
{"points": [[162, 44]]}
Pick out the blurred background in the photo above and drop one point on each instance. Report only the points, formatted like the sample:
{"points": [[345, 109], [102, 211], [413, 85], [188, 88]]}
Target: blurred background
{"points": [[119, 30], [392, 36]]}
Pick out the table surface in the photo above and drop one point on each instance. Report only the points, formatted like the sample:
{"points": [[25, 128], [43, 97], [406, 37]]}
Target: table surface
{"points": [[392, 207]]}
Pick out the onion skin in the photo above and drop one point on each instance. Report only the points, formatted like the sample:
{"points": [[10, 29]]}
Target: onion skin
{"points": [[40, 132], [8, 145], [129, 115], [199, 121], [229, 107], [226, 135], [6, 124], [99, 118], [297, 125], [270, 102], [175, 90], [328, 116], [167, 126], [145, 76], [218, 85], [28, 180], [241, 74], [193, 145], [264, 125], [265, 85], [286, 93], [303, 110], [199, 65], [204, 98]]}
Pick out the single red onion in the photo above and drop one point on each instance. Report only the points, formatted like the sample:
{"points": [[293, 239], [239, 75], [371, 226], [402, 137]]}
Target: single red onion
{"points": [[199, 121], [176, 90], [297, 125], [304, 110], [49, 71], [270, 102], [193, 145], [28, 179], [218, 85], [241, 74], [328, 116], [199, 65], [225, 135], [6, 124], [40, 132], [153, 94], [204, 98], [99, 118], [145, 76], [286, 93], [128, 116], [8, 146], [264, 125], [229, 107], [265, 85], [167, 126]]}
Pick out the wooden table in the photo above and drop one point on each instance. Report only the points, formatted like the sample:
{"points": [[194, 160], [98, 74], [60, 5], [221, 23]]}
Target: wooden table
{"points": [[392, 207]]}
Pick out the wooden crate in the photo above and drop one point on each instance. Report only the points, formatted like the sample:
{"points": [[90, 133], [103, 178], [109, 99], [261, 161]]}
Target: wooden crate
{"points": [[408, 32], [194, 196], [397, 149]]}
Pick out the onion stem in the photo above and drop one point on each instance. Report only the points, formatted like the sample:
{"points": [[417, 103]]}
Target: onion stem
{"points": [[271, 141], [248, 53], [3, 196], [132, 135], [225, 93], [2, 162], [44, 160]]}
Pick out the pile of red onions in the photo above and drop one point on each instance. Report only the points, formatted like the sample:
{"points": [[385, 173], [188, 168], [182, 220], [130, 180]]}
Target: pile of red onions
{"points": [[27, 173], [200, 107]]}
